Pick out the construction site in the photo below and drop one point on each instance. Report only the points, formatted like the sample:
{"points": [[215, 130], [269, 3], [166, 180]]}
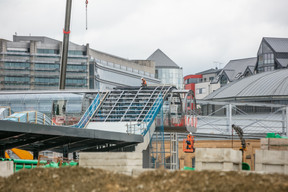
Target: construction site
{"points": [[133, 138], [142, 134]]}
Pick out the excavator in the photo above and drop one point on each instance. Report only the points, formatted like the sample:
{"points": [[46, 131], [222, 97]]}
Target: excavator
{"points": [[240, 133]]}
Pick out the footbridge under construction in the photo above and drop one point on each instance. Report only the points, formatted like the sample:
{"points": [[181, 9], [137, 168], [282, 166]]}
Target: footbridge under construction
{"points": [[124, 119]]}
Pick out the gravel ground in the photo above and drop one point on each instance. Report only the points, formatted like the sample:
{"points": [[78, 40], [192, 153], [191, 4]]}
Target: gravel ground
{"points": [[94, 180]]}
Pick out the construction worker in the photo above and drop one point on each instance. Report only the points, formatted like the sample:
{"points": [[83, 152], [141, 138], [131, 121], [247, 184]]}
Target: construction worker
{"points": [[144, 83], [189, 141]]}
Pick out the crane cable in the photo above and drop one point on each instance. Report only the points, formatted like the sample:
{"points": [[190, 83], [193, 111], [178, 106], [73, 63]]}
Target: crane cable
{"points": [[86, 14]]}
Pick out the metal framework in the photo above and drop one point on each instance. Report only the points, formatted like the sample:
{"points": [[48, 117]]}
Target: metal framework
{"points": [[254, 118], [37, 137]]}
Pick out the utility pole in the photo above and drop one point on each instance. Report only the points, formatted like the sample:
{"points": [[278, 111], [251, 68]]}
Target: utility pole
{"points": [[66, 33]]}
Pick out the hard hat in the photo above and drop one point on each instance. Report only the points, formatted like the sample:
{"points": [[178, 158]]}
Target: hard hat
{"points": [[142, 78]]}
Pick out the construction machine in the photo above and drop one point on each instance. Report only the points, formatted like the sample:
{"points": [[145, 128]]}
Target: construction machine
{"points": [[240, 133]]}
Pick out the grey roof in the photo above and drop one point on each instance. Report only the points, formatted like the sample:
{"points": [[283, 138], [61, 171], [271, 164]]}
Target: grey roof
{"points": [[266, 84], [42, 39], [283, 62], [162, 60], [277, 44], [238, 66], [209, 71]]}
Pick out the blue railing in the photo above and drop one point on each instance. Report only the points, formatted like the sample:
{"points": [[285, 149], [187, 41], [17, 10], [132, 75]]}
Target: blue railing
{"points": [[152, 113], [88, 113]]}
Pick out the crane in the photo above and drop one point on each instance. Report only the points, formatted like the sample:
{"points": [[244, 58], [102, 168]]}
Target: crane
{"points": [[66, 33]]}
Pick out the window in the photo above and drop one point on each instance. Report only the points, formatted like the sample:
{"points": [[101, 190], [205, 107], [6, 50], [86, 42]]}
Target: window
{"points": [[76, 81], [18, 50], [47, 51], [17, 79], [211, 79], [46, 80], [76, 67], [75, 52], [16, 65], [46, 66], [191, 80], [201, 90]]}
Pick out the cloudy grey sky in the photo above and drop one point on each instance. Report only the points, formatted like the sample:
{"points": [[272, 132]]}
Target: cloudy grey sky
{"points": [[195, 34]]}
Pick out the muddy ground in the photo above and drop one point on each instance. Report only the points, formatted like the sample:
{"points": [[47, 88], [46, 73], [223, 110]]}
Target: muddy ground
{"points": [[94, 180]]}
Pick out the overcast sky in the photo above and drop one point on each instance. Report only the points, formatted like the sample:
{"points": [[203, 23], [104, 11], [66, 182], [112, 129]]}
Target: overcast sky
{"points": [[196, 34]]}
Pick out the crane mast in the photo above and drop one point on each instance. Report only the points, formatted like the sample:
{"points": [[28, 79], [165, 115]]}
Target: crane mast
{"points": [[64, 58]]}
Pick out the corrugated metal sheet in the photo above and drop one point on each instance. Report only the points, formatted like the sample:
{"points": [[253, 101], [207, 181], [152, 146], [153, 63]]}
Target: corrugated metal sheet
{"points": [[272, 83]]}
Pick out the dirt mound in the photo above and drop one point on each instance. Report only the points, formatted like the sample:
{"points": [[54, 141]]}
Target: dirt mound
{"points": [[93, 180]]}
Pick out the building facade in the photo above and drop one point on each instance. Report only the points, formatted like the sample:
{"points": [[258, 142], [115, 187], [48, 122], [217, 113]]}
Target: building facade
{"points": [[33, 63], [272, 54], [29, 63], [108, 71], [200, 83], [167, 70], [190, 82]]}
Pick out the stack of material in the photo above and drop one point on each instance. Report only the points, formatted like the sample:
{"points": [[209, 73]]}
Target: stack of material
{"points": [[120, 162], [218, 159], [277, 144], [271, 161], [273, 156]]}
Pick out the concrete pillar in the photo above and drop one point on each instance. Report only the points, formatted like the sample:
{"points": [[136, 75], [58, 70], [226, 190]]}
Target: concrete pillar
{"points": [[2, 151], [35, 154], [75, 155], [146, 157], [65, 151]]}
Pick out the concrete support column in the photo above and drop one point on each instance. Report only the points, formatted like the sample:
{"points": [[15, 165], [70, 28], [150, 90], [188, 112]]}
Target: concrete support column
{"points": [[65, 151], [146, 157], [2, 151], [35, 154]]}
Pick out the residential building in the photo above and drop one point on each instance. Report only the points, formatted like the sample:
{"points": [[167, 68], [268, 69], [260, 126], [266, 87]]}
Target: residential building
{"points": [[167, 70], [209, 75], [200, 83], [236, 69], [272, 54], [190, 82], [33, 63]]}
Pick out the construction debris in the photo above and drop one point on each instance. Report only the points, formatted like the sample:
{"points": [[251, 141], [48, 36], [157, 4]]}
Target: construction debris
{"points": [[85, 179]]}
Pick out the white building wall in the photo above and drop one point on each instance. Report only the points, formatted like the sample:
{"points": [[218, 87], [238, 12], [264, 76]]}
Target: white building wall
{"points": [[205, 88]]}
